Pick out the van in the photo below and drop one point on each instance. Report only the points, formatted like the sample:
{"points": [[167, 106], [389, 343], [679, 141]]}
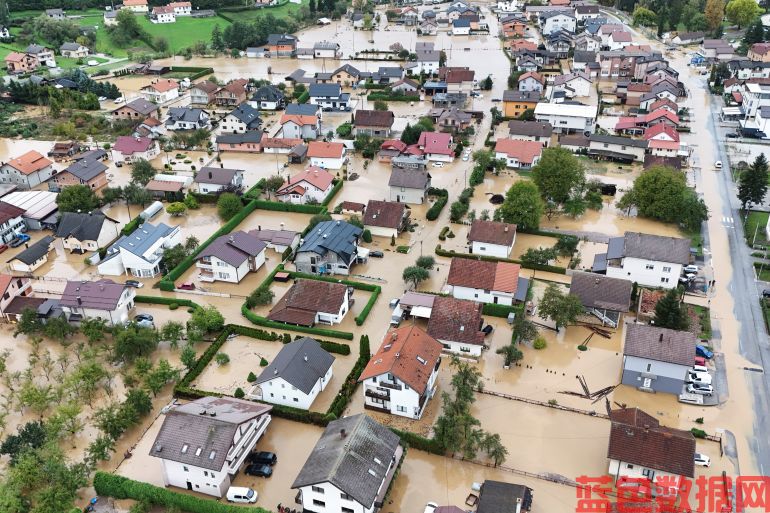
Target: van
{"points": [[241, 494]]}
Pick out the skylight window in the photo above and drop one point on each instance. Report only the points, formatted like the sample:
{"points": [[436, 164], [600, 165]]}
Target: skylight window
{"points": [[198, 451], [184, 448], [212, 454]]}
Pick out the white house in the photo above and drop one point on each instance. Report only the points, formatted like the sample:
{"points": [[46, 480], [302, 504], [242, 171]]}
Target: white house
{"points": [[161, 91], [242, 119], [231, 257], [268, 97], [140, 253], [518, 154], [299, 372], [129, 149], [103, 299], [567, 118], [326, 155], [437, 146], [300, 126], [492, 238], [461, 27], [457, 323], [163, 14], [619, 39], [487, 282], [657, 359], [86, 231], [350, 468], [577, 84], [181, 8], [408, 185], [553, 21], [400, 378], [33, 257], [213, 180], [311, 185], [26, 171], [186, 118], [329, 248], [617, 148], [531, 81], [74, 50], [329, 96], [309, 302], [203, 444], [651, 260], [385, 218], [139, 6], [427, 62], [110, 18]]}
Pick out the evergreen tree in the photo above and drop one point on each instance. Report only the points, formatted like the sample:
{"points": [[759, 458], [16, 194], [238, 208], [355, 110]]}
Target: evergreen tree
{"points": [[312, 6], [217, 43], [669, 313], [752, 185]]}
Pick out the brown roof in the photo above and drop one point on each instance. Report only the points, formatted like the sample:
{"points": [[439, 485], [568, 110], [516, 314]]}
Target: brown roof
{"points": [[163, 85], [387, 214], [599, 291], [456, 320], [492, 232], [305, 299], [206, 86], [164, 186], [661, 344], [455, 76], [30, 162], [97, 295], [530, 128], [480, 274], [21, 303], [636, 437], [409, 354], [353, 206], [8, 212], [381, 118]]}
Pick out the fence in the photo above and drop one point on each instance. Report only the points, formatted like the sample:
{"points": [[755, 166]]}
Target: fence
{"points": [[555, 406]]}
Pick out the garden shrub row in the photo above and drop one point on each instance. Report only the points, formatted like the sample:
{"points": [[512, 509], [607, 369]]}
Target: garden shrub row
{"points": [[132, 225], [271, 336], [373, 97], [418, 442], [205, 359], [355, 284], [368, 308], [262, 321], [119, 487], [434, 211], [487, 258], [280, 206], [256, 190], [332, 193], [500, 310], [158, 300], [208, 199], [348, 388], [197, 72]]}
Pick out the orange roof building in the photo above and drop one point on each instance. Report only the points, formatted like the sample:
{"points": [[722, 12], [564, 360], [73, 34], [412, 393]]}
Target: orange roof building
{"points": [[28, 170], [518, 154], [487, 282]]}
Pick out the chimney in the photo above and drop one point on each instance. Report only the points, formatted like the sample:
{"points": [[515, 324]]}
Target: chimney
{"points": [[343, 433], [209, 174]]}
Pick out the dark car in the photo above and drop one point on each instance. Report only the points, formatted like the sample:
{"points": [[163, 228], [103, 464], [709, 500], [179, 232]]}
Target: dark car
{"points": [[143, 317], [766, 293], [263, 458], [376, 254], [134, 283], [732, 135], [3, 247], [259, 470], [487, 329], [19, 240]]}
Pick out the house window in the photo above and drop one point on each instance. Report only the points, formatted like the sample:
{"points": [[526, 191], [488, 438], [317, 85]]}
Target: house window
{"points": [[664, 280], [346, 497], [346, 510], [649, 366], [317, 489], [206, 473], [296, 400], [185, 469], [316, 502], [401, 409], [666, 269], [649, 267]]}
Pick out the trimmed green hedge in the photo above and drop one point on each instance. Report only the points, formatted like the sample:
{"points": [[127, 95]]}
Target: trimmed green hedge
{"points": [[500, 310], [271, 336], [393, 98], [157, 300], [418, 442], [541, 232], [119, 487], [209, 199], [262, 321], [200, 72], [435, 210], [368, 308], [348, 388], [487, 258], [132, 225], [304, 97], [280, 206], [355, 284], [256, 190], [332, 193]]}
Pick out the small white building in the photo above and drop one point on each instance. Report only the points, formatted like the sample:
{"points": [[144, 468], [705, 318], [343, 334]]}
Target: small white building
{"points": [[33, 257], [139, 6], [231, 257], [518, 154], [140, 253], [161, 91], [310, 186], [326, 155], [577, 84], [214, 180], [651, 260], [181, 8], [203, 444], [310, 302], [567, 118], [457, 323], [299, 126], [186, 118], [163, 14], [299, 372], [409, 185], [103, 299], [553, 21], [400, 378], [27, 171], [492, 238], [242, 119]]}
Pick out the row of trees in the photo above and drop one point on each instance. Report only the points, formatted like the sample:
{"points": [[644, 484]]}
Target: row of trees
{"points": [[706, 15]]}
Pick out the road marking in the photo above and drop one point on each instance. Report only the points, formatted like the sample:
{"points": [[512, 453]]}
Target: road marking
{"points": [[727, 220]]}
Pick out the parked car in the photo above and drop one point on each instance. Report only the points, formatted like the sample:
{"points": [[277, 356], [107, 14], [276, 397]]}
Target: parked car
{"points": [[3, 247], [700, 368], [119, 100], [143, 317], [766, 293], [241, 494], [20, 239], [259, 470], [702, 460], [430, 507], [698, 377], [186, 286], [732, 135], [438, 164], [700, 388], [704, 352], [263, 458], [690, 269], [466, 158], [718, 164], [487, 329], [376, 254], [134, 283], [699, 360]]}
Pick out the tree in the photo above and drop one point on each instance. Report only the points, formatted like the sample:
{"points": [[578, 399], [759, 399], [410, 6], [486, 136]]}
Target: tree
{"points": [[415, 275], [511, 354], [94, 329], [87, 379], [77, 198], [142, 172], [272, 184], [742, 12], [755, 33], [486, 84], [228, 205], [670, 313], [191, 202], [380, 105], [522, 329], [752, 183], [159, 376], [136, 195], [100, 449], [561, 308], [29, 323], [426, 262], [261, 296], [318, 218], [538, 256], [29, 436], [133, 341], [176, 209], [138, 401], [191, 243], [557, 174], [715, 12], [172, 332], [217, 43], [312, 6], [523, 206], [65, 421], [174, 255], [344, 130], [207, 319], [188, 357], [59, 329]]}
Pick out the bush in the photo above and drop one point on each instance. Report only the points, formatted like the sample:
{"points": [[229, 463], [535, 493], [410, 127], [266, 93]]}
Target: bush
{"points": [[435, 210], [239, 393], [550, 268], [262, 321], [262, 363], [253, 377], [499, 310], [367, 236], [222, 359], [173, 306], [539, 343], [365, 312], [402, 249], [698, 433]]}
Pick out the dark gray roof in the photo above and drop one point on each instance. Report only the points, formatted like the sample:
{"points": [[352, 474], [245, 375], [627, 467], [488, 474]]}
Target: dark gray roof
{"points": [[336, 236], [300, 363], [247, 114], [141, 106], [499, 497], [660, 344], [35, 49], [250, 136], [36, 251], [390, 71], [615, 247], [655, 247], [188, 436], [216, 175], [530, 128], [584, 56], [615, 139], [281, 39], [599, 291], [411, 179], [97, 154], [331, 90], [82, 226], [520, 96], [183, 114], [69, 47], [143, 238], [97, 295], [350, 462], [551, 14], [234, 248], [302, 109], [268, 93], [87, 168], [522, 288]]}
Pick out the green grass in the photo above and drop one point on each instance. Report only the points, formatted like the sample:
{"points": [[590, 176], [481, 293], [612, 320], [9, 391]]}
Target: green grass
{"points": [[186, 31], [705, 321], [763, 271], [766, 312], [696, 241], [756, 223], [282, 11]]}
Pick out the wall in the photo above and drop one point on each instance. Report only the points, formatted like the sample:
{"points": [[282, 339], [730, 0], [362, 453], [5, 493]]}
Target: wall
{"points": [[174, 474], [334, 317], [327, 163], [379, 231], [621, 469], [458, 348], [635, 269], [665, 377], [407, 195], [495, 250], [481, 296], [287, 395], [331, 500]]}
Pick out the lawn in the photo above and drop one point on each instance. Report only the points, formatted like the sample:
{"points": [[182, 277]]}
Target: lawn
{"points": [[186, 31], [755, 224], [282, 11]]}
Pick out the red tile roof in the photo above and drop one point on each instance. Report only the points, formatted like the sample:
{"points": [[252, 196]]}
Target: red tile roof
{"points": [[393, 144], [456, 76], [305, 299], [456, 320], [492, 232], [386, 214], [523, 151], [163, 85], [321, 149], [661, 129], [378, 118], [15, 57], [128, 145], [299, 119], [438, 143], [30, 162], [480, 274], [532, 74], [313, 175]]}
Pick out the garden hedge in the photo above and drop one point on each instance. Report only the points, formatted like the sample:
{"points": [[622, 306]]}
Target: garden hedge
{"points": [[435, 210], [348, 388], [199, 72], [255, 191], [500, 310], [368, 308], [157, 300], [487, 258], [373, 97], [271, 336], [332, 193], [119, 487], [208, 199], [132, 225], [262, 321], [418, 442], [280, 206], [355, 284]]}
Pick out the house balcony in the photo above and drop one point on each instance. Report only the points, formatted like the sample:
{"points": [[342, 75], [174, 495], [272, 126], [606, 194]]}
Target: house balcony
{"points": [[377, 394], [390, 384], [206, 276]]}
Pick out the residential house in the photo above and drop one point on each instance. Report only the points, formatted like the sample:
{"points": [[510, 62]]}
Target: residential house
{"points": [[187, 118], [586, 12], [304, 109], [310, 186], [329, 97], [567, 118], [215, 180], [657, 359], [437, 146], [621, 149], [515, 103], [688, 38], [375, 123], [330, 247], [281, 45], [140, 254], [203, 93], [55, 14], [298, 126], [326, 155], [449, 100], [576, 84], [662, 140], [102, 299], [326, 50], [427, 62], [408, 186], [247, 142], [585, 42], [285, 146], [640, 448], [433, 87], [451, 120], [350, 468], [527, 63], [461, 27], [135, 5], [557, 20], [31, 258], [346, 75], [64, 150], [234, 93], [168, 190], [460, 80], [309, 302], [406, 86], [428, 27], [604, 297], [26, 171], [16, 295], [81, 232], [11, 221], [409, 162], [500, 497], [718, 49], [163, 14], [518, 154], [386, 218], [268, 97], [130, 149], [277, 240], [73, 50], [390, 148], [135, 110], [531, 81], [243, 118], [559, 44], [149, 127], [387, 75], [181, 8], [89, 171], [487, 282], [110, 18], [514, 26], [400, 377], [652, 260], [299, 372], [161, 91], [231, 257], [491, 238], [759, 52], [456, 323], [43, 56], [19, 62], [203, 444], [530, 131], [618, 40]]}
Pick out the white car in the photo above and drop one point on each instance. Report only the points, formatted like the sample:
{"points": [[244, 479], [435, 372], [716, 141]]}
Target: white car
{"points": [[438, 164], [102, 98], [466, 158], [718, 164], [431, 506], [688, 269], [700, 368], [119, 100], [702, 460], [698, 377], [699, 388]]}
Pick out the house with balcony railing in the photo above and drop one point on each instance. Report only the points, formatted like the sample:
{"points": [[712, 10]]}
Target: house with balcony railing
{"points": [[231, 257], [139, 254]]}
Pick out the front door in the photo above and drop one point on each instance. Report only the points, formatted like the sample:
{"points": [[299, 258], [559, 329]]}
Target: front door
{"points": [[189, 485]]}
